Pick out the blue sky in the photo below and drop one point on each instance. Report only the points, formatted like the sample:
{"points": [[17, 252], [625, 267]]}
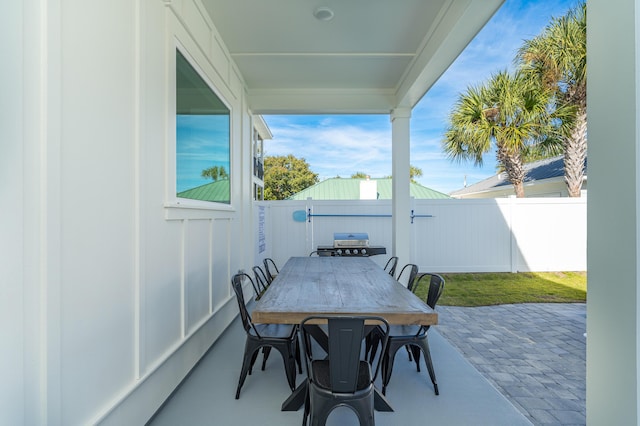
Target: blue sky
{"points": [[333, 145], [202, 141]]}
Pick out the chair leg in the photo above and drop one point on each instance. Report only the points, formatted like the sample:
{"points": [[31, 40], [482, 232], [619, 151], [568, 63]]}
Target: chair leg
{"points": [[416, 356], [298, 356], [253, 361], [387, 366], [319, 410], [247, 361], [427, 359], [307, 404], [416, 347], [289, 364], [266, 350]]}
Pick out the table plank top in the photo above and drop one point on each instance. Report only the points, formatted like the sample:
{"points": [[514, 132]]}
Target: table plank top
{"points": [[339, 286]]}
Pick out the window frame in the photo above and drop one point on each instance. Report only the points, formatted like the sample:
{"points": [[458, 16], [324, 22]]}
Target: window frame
{"points": [[175, 203]]}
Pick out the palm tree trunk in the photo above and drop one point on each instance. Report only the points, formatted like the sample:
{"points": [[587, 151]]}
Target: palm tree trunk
{"points": [[519, 189], [575, 154], [512, 164]]}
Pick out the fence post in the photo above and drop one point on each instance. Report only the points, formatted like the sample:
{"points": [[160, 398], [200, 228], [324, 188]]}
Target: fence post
{"points": [[513, 241]]}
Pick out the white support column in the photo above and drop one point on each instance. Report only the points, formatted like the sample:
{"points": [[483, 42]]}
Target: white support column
{"points": [[613, 228], [401, 203]]}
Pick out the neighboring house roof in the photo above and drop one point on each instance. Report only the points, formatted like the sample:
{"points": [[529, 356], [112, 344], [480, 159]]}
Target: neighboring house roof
{"points": [[214, 191], [349, 189], [537, 171]]}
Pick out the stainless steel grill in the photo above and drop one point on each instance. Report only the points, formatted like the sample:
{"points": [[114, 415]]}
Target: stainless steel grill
{"points": [[357, 240], [351, 244]]}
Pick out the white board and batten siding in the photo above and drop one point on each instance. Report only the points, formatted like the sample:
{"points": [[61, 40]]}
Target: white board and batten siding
{"points": [[124, 287]]}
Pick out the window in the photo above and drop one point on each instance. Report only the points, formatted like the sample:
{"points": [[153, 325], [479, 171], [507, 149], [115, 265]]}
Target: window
{"points": [[258, 192], [203, 157], [258, 159]]}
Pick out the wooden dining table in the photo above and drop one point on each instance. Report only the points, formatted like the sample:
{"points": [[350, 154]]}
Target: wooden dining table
{"points": [[336, 285]]}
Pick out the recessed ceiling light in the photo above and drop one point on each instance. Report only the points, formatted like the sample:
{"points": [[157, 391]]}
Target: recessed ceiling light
{"points": [[323, 13]]}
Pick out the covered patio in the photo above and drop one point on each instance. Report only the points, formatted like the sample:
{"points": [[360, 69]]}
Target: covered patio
{"points": [[114, 287]]}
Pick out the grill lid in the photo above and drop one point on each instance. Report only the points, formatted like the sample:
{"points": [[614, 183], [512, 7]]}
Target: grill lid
{"points": [[343, 239]]}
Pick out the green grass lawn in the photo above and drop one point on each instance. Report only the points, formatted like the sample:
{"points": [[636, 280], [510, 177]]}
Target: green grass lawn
{"points": [[481, 289]]}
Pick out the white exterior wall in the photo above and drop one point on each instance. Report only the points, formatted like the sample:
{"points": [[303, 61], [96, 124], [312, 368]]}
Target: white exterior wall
{"points": [[114, 289], [488, 235], [13, 319]]}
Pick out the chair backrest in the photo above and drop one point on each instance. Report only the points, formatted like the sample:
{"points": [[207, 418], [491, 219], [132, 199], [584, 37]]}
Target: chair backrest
{"points": [[236, 283], [390, 267], [436, 286], [262, 282], [270, 268], [408, 275], [346, 350]]}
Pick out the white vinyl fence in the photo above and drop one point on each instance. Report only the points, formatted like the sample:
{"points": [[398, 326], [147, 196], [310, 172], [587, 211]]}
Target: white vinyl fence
{"points": [[476, 235]]}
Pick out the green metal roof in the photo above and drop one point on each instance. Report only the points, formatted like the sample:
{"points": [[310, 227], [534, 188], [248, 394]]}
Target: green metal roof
{"points": [[214, 191], [349, 189]]}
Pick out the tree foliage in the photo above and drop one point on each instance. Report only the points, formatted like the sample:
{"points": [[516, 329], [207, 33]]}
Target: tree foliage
{"points": [[510, 113], [285, 176], [215, 173], [414, 172], [557, 58], [537, 112]]}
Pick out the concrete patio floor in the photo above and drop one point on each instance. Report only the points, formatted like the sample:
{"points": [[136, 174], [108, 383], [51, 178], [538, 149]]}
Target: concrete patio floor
{"points": [[206, 397]]}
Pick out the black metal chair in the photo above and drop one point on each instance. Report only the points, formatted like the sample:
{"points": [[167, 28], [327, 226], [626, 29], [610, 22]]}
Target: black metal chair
{"points": [[270, 268], [262, 282], [260, 286], [408, 275], [282, 337], [390, 267], [344, 377], [413, 335]]}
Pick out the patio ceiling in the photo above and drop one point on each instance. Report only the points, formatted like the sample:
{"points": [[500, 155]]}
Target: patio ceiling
{"points": [[371, 57]]}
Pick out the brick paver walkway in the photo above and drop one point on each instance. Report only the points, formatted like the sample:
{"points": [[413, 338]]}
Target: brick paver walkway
{"points": [[534, 354]]}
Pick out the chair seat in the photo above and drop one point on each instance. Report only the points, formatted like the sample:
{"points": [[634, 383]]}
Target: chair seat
{"points": [[274, 330], [321, 374]]}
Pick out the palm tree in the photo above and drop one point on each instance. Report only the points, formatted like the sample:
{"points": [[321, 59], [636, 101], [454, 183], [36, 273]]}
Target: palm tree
{"points": [[509, 111], [558, 59]]}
